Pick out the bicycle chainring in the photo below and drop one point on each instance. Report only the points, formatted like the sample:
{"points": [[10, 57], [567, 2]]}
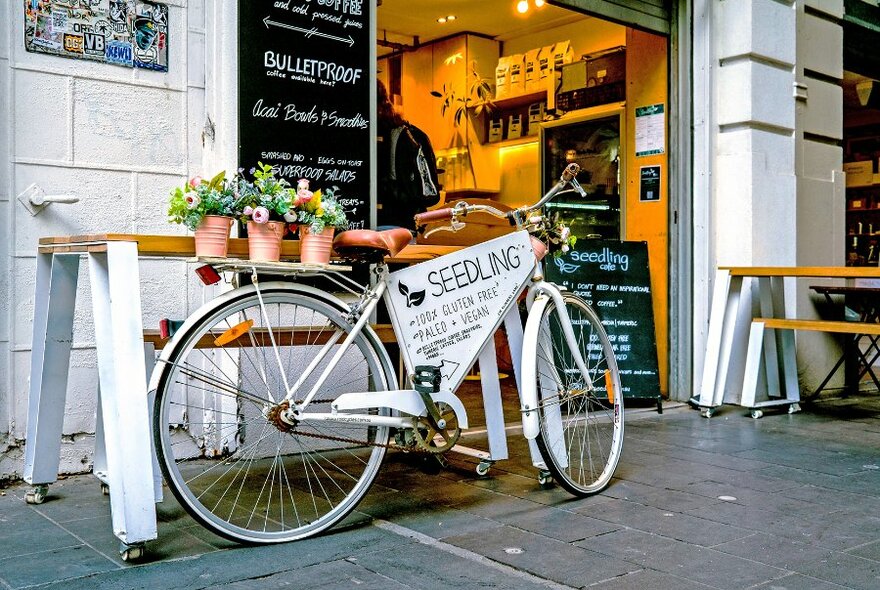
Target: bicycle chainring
{"points": [[435, 439]]}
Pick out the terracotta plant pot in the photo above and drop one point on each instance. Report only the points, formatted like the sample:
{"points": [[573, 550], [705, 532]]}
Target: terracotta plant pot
{"points": [[212, 236], [315, 248], [264, 241]]}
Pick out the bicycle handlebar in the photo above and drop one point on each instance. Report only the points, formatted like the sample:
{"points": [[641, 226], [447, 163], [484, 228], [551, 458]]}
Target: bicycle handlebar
{"points": [[516, 216]]}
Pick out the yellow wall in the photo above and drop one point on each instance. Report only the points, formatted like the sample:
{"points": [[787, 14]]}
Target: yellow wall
{"points": [[647, 84]]}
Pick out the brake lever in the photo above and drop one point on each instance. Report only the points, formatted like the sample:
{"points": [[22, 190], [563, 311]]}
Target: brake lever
{"points": [[453, 227], [577, 187]]}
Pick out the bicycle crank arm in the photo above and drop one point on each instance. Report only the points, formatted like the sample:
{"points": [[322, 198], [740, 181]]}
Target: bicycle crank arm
{"points": [[405, 401]]}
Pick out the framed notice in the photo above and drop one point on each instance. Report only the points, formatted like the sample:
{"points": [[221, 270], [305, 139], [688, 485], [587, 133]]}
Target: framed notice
{"points": [[614, 278], [649, 183], [307, 95], [650, 130]]}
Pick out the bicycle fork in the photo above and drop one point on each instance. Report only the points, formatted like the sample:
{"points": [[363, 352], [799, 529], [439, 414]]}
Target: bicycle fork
{"points": [[540, 295]]}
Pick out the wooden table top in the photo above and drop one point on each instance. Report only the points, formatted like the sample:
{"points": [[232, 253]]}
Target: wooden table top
{"points": [[842, 272], [164, 246]]}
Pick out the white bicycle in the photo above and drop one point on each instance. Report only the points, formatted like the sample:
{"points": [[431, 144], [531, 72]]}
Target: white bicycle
{"points": [[276, 402]]}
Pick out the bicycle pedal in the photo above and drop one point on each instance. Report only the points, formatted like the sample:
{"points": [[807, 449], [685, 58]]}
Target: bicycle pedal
{"points": [[426, 379]]}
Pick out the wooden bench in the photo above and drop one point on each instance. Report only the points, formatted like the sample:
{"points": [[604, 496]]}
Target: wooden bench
{"points": [[762, 343], [284, 336]]}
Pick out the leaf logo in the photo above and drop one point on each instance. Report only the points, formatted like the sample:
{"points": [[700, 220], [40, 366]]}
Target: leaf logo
{"points": [[412, 298], [565, 267]]}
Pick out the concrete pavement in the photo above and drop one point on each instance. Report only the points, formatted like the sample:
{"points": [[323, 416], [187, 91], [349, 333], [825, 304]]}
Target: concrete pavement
{"points": [[785, 502]]}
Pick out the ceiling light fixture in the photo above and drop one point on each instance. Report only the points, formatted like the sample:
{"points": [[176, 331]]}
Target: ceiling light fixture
{"points": [[522, 6], [539, 3], [450, 18], [441, 20]]}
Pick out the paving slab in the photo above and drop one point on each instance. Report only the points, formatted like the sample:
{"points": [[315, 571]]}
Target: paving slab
{"points": [[806, 516]]}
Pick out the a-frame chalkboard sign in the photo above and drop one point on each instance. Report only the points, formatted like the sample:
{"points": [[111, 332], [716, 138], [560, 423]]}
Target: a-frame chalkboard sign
{"points": [[614, 278], [306, 94]]}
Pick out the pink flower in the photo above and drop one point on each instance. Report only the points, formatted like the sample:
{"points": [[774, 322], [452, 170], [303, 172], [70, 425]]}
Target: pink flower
{"points": [[192, 201], [303, 196], [261, 215], [248, 211], [302, 184], [195, 181]]}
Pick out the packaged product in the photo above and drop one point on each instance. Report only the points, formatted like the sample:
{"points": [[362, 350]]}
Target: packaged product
{"points": [[502, 78], [532, 71], [517, 74]]}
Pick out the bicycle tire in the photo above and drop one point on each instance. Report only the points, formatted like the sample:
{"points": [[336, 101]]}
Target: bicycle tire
{"points": [[223, 454], [581, 428]]}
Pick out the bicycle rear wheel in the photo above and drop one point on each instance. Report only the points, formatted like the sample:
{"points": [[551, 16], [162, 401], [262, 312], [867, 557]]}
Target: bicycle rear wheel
{"points": [[228, 458], [580, 415]]}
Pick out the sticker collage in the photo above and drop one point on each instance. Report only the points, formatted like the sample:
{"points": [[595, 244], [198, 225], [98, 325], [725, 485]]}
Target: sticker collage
{"points": [[130, 33]]}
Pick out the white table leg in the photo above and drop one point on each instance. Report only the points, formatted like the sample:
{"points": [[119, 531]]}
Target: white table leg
{"points": [[771, 356], [50, 361], [514, 328], [492, 402], [726, 296], [119, 341]]}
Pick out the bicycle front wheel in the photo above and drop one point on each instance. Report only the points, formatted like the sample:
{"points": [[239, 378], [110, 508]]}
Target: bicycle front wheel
{"points": [[228, 457], [580, 414]]}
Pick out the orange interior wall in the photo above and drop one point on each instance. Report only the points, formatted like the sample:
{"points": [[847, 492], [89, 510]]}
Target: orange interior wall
{"points": [[647, 84]]}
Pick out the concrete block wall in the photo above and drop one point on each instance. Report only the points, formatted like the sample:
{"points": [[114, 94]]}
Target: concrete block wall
{"points": [[118, 139], [5, 230], [821, 201], [754, 173], [770, 145]]}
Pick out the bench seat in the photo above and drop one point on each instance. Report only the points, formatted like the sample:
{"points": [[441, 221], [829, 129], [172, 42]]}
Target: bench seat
{"points": [[819, 326], [299, 335]]}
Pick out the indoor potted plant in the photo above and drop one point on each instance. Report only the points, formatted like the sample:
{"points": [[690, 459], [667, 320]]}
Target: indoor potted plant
{"points": [[264, 205], [206, 207], [318, 216]]}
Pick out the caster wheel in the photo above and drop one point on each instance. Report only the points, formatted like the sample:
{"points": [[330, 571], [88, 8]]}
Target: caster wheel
{"points": [[105, 489], [545, 478], [757, 414], [707, 412], [794, 408], [483, 468], [37, 495], [131, 552]]}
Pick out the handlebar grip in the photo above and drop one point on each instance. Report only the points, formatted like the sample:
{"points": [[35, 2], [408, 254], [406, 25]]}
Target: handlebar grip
{"points": [[435, 215]]}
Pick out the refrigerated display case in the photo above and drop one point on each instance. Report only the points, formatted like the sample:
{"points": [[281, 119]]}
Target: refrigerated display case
{"points": [[591, 140]]}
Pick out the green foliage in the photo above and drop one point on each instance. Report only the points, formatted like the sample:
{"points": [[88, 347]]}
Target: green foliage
{"points": [[478, 97], [190, 203]]}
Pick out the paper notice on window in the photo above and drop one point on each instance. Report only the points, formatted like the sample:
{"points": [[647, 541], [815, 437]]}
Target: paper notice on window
{"points": [[650, 130]]}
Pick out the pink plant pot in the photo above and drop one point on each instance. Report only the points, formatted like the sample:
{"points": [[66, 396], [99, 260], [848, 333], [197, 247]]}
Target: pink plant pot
{"points": [[264, 241], [315, 248], [212, 236]]}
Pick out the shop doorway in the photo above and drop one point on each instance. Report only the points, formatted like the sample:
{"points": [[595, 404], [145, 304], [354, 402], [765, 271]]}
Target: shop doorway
{"points": [[548, 67]]}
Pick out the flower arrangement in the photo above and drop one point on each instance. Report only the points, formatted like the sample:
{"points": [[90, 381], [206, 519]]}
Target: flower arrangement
{"points": [[556, 233], [198, 197], [318, 210], [266, 199]]}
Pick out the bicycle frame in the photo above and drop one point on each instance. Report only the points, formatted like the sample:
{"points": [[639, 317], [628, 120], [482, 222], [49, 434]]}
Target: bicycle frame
{"points": [[408, 401]]}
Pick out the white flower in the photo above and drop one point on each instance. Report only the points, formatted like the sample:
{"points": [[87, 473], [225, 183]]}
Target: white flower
{"points": [[565, 248], [192, 201], [566, 233], [302, 185], [290, 217]]}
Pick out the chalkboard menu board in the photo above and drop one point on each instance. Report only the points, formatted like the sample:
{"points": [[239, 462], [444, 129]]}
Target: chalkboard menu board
{"points": [[306, 77], [613, 277]]}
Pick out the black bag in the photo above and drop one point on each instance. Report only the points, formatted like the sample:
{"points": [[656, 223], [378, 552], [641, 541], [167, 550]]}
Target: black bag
{"points": [[410, 184]]}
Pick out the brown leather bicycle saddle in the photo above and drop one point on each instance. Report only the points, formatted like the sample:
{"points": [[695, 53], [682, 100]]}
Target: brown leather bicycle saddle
{"points": [[366, 245]]}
